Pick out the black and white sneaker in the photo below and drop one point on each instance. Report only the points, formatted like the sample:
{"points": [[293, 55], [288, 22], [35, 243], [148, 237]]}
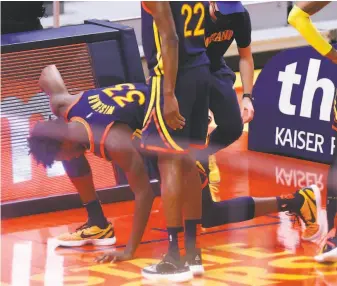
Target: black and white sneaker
{"points": [[195, 263], [168, 269]]}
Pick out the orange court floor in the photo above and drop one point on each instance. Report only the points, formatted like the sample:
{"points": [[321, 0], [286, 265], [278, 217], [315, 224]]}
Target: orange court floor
{"points": [[262, 251]]}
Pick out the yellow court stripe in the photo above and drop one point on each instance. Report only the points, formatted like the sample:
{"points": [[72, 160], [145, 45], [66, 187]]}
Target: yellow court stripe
{"points": [[152, 98], [162, 123]]}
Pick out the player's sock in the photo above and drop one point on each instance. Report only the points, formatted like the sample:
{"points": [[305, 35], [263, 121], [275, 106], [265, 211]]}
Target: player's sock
{"points": [[283, 202], [95, 214], [192, 230], [193, 251], [175, 236]]}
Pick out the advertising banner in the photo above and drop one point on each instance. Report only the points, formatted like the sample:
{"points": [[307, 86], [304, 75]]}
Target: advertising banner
{"points": [[294, 95]]}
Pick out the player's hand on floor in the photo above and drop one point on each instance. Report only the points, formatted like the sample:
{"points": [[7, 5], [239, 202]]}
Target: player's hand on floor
{"points": [[172, 116], [247, 110], [114, 256]]}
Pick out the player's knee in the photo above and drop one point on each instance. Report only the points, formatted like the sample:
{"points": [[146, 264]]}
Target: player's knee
{"points": [[133, 163], [77, 167], [231, 132], [237, 130]]}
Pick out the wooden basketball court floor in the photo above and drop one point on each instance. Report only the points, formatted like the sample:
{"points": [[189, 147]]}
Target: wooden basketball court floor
{"points": [[263, 251]]}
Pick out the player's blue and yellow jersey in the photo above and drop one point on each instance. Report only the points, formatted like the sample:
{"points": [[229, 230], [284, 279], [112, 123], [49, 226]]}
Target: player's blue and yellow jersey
{"points": [[220, 35], [98, 109], [189, 20]]}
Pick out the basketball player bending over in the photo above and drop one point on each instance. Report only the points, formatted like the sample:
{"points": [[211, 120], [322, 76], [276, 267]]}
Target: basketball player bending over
{"points": [[101, 121], [299, 18], [50, 141]]}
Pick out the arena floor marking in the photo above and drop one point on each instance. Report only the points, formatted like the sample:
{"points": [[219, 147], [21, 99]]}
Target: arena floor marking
{"points": [[264, 251]]}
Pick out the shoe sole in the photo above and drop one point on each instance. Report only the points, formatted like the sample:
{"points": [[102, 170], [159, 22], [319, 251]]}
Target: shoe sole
{"points": [[98, 242], [330, 256], [197, 270], [319, 213], [178, 277]]}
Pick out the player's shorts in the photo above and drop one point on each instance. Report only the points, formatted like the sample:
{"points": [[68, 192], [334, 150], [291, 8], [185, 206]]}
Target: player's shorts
{"points": [[334, 106], [192, 92], [223, 100]]}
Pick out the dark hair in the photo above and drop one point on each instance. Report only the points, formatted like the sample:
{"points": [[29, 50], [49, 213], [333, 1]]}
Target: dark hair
{"points": [[45, 141]]}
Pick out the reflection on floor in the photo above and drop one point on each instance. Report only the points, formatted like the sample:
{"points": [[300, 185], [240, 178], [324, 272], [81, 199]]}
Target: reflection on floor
{"points": [[263, 251]]}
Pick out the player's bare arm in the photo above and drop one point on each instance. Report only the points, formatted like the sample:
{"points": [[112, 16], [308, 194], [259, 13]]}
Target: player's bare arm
{"points": [[312, 7], [120, 147], [52, 84], [299, 18], [163, 18], [246, 66]]}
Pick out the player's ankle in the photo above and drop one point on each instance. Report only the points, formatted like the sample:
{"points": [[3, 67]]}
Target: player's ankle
{"points": [[192, 232], [289, 202], [175, 237], [95, 214], [175, 254], [101, 223], [192, 251]]}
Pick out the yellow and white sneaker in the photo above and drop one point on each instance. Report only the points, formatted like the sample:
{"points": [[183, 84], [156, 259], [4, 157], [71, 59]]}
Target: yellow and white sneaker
{"points": [[88, 234], [309, 211], [214, 172]]}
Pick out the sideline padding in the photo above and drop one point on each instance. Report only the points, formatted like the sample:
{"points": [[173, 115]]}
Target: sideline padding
{"points": [[94, 54]]}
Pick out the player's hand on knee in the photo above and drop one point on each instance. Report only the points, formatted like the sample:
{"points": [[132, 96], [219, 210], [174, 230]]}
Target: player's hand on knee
{"points": [[172, 116], [114, 256], [247, 110]]}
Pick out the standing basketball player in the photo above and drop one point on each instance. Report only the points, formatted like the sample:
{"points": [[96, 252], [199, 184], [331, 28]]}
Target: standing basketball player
{"points": [[175, 118], [226, 21], [299, 18]]}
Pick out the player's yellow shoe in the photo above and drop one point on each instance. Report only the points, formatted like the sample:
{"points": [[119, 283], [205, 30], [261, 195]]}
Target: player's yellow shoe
{"points": [[310, 211], [306, 204], [214, 172], [88, 234]]}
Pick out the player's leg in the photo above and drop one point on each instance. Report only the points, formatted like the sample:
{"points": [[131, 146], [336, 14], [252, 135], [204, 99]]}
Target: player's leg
{"points": [[121, 150], [174, 166], [329, 248], [171, 168], [193, 197], [79, 172], [192, 214], [298, 203], [226, 111], [304, 203]]}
